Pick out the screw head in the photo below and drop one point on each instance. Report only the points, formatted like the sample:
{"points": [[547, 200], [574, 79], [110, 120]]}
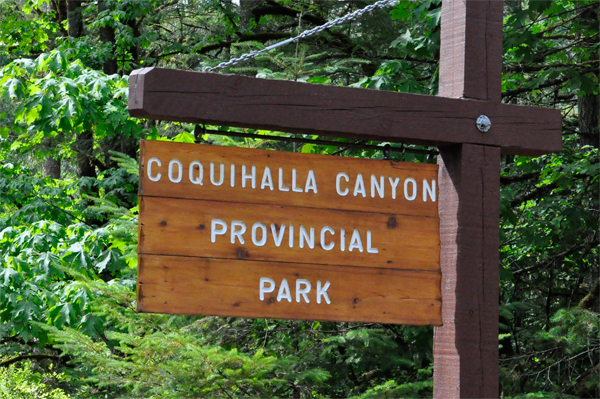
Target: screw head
{"points": [[483, 123]]}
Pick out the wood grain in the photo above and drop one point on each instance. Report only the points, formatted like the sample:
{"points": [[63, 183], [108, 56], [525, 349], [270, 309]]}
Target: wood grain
{"points": [[325, 169], [184, 285], [471, 54], [391, 275], [171, 226], [466, 346], [340, 111]]}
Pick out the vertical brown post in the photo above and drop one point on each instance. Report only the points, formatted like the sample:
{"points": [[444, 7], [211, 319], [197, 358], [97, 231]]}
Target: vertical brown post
{"points": [[466, 346]]}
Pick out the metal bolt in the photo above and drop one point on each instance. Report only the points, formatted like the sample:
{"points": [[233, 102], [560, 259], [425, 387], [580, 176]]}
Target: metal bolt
{"points": [[483, 123]]}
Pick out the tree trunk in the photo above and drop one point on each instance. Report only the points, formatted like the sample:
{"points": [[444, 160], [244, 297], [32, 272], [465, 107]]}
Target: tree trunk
{"points": [[75, 19], [590, 301], [589, 108], [125, 145], [134, 48], [52, 163], [84, 146], [84, 141], [51, 168], [245, 12], [60, 9], [588, 105], [107, 36]]}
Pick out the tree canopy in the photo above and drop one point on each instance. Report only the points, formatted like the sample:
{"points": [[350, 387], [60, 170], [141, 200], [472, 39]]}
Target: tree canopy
{"points": [[69, 180]]}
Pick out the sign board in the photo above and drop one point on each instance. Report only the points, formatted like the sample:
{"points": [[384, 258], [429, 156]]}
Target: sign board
{"points": [[253, 233], [223, 281]]}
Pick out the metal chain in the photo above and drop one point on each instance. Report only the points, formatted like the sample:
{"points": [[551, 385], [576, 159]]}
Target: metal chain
{"points": [[338, 21]]}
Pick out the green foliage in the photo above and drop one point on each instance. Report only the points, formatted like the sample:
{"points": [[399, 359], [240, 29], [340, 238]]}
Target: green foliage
{"points": [[392, 390], [40, 259], [22, 33], [57, 97], [543, 51], [412, 68], [148, 355], [68, 235], [23, 383]]}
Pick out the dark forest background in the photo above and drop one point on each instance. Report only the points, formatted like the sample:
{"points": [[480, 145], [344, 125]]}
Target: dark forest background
{"points": [[68, 200]]}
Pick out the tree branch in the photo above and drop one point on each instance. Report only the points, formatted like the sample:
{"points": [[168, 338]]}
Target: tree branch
{"points": [[539, 67], [259, 37], [504, 180], [547, 262], [549, 83], [275, 8], [591, 299], [16, 359], [535, 193], [13, 339]]}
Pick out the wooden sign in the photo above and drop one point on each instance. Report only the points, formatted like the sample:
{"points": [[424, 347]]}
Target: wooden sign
{"points": [[253, 233], [466, 345]]}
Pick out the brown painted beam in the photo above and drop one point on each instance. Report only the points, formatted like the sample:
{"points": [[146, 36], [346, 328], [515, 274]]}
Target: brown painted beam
{"points": [[296, 107], [471, 51], [466, 345]]}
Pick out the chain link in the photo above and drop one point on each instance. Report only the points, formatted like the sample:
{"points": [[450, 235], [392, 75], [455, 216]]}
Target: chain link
{"points": [[338, 21]]}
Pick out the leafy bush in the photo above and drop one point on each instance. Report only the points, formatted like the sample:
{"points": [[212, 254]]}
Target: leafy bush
{"points": [[21, 382]]}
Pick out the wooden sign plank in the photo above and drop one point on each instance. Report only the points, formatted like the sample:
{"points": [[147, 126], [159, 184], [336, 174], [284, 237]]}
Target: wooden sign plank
{"points": [[284, 178], [194, 223], [184, 285], [297, 107], [288, 234]]}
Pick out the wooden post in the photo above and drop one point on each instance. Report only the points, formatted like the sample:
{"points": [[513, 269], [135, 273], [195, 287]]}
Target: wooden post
{"points": [[466, 346]]}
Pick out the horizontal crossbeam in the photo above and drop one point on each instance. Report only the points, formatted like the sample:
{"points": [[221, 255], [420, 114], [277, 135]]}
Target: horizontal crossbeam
{"points": [[296, 107]]}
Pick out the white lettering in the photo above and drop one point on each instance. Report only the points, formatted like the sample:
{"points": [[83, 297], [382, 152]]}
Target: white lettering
{"points": [[251, 176], [232, 180], [394, 184], [294, 188], [267, 180], [284, 291], [304, 236], [291, 236], [355, 242], [281, 186], [264, 289], [193, 179], [327, 247], [221, 174], [342, 240], [214, 231], [150, 161], [302, 291], [322, 292], [311, 182], [277, 238], [377, 185], [359, 187], [428, 189], [263, 240], [414, 189], [370, 249], [237, 232], [337, 184], [179, 168]]}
